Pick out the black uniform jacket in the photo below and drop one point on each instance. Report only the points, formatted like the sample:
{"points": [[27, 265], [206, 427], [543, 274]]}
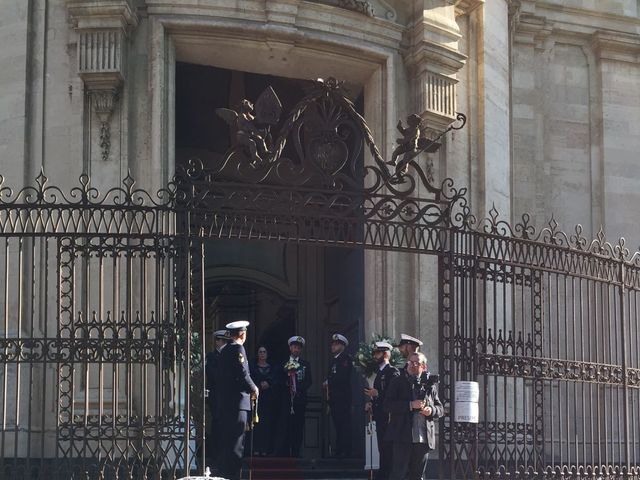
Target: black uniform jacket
{"points": [[339, 379], [233, 381], [381, 384], [402, 390]]}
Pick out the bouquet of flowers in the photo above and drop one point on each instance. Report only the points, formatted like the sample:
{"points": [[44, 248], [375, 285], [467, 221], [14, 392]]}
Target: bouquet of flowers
{"points": [[363, 359], [291, 367]]}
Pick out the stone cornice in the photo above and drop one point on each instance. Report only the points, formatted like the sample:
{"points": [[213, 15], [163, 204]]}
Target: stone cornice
{"points": [[102, 14], [532, 29], [432, 40], [580, 20], [616, 46], [465, 7], [431, 54], [311, 21]]}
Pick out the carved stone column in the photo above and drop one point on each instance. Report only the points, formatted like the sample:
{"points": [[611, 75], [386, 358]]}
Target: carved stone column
{"points": [[102, 28]]}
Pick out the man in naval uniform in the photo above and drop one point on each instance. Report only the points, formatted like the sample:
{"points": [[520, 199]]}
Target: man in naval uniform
{"points": [[295, 380], [338, 385], [221, 338], [234, 389], [386, 373], [407, 346]]}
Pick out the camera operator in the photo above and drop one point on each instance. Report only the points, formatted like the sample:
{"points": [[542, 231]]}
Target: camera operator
{"points": [[413, 404]]}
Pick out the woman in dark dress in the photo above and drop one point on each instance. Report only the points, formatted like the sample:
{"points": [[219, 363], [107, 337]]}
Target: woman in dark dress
{"points": [[262, 375]]}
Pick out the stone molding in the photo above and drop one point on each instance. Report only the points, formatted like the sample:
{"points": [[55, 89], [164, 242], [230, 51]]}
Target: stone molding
{"points": [[102, 14], [102, 27], [532, 30], [575, 20], [359, 6], [434, 60], [616, 47], [283, 21], [465, 7]]}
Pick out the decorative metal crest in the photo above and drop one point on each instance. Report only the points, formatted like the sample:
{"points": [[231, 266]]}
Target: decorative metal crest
{"points": [[327, 134]]}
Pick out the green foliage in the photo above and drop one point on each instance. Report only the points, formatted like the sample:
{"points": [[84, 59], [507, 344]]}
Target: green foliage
{"points": [[363, 359]]}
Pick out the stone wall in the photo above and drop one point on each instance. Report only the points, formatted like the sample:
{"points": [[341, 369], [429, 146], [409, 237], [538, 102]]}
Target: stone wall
{"points": [[574, 105]]}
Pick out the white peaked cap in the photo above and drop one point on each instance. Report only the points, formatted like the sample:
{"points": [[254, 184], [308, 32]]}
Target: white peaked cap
{"points": [[297, 339], [221, 334], [383, 346], [404, 338], [336, 337], [237, 325]]}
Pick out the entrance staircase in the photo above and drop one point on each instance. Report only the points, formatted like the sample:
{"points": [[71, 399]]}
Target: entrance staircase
{"points": [[274, 468]]}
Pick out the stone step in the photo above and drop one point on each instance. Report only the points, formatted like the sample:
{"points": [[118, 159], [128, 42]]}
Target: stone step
{"points": [[273, 468]]}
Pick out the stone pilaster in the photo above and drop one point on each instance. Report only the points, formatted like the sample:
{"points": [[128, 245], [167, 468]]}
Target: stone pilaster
{"points": [[491, 177], [618, 71], [529, 33], [433, 60], [102, 28]]}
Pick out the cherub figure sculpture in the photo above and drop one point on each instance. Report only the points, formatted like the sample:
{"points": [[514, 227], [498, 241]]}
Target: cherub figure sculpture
{"points": [[253, 125], [412, 143]]}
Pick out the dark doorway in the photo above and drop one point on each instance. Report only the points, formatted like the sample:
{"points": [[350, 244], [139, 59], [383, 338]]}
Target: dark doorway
{"points": [[282, 289]]}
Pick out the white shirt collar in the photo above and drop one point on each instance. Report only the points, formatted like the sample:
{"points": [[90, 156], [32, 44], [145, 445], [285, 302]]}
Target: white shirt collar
{"points": [[384, 365]]}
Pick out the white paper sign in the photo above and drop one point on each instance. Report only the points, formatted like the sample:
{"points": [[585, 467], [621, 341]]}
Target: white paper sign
{"points": [[467, 392], [467, 396], [467, 412]]}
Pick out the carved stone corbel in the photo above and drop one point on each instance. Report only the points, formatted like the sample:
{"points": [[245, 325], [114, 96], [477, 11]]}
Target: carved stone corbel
{"points": [[104, 103]]}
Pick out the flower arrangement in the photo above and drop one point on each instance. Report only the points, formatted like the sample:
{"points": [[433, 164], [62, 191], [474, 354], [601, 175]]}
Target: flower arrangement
{"points": [[363, 359], [291, 365]]}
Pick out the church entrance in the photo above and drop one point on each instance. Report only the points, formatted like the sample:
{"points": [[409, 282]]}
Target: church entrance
{"points": [[283, 289], [286, 290]]}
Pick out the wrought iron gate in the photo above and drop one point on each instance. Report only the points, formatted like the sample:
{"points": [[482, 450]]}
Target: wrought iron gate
{"points": [[547, 323], [96, 342], [102, 307]]}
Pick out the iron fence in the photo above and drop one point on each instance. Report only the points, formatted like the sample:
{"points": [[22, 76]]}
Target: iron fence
{"points": [[103, 321]]}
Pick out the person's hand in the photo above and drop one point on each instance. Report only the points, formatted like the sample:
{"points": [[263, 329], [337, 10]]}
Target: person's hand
{"points": [[371, 392], [264, 385], [417, 404], [426, 411], [367, 407], [255, 394]]}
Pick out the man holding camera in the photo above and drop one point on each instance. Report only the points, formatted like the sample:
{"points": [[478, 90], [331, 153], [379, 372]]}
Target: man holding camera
{"points": [[413, 404]]}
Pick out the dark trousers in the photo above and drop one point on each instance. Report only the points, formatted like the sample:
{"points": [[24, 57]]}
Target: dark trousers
{"points": [[409, 461], [341, 416], [386, 451], [213, 442], [232, 428], [292, 432], [263, 430]]}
